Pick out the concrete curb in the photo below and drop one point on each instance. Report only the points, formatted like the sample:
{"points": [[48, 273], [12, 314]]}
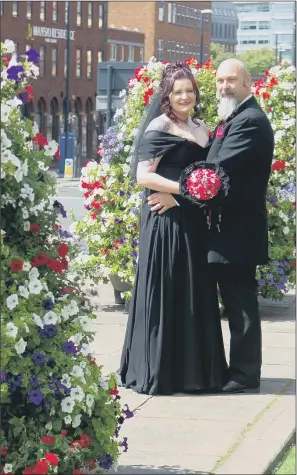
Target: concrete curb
{"points": [[274, 463], [263, 442]]}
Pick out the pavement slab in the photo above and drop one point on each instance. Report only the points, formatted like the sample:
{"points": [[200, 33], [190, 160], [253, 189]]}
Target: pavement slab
{"points": [[207, 434]]}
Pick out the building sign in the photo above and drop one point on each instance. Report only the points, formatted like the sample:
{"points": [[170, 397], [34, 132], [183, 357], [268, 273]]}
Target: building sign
{"points": [[51, 35]]}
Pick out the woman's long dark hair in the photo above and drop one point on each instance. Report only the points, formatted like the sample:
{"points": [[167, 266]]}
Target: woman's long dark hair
{"points": [[172, 72]]}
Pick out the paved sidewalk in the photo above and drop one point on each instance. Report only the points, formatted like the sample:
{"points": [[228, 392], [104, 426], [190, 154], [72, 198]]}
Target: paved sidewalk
{"points": [[215, 434]]}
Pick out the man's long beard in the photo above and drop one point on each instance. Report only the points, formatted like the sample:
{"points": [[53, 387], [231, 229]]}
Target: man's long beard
{"points": [[226, 106]]}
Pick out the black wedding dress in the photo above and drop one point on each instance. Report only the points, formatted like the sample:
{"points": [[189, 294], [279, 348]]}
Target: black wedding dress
{"points": [[173, 339]]}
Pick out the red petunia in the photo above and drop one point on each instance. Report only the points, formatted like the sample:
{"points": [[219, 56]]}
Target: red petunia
{"points": [[78, 472], [96, 205], [86, 194], [58, 153], [278, 165], [56, 266], [52, 458], [148, 93], [3, 450], [41, 467], [40, 140], [93, 215], [29, 471], [266, 72], [63, 249], [114, 391], [64, 433], [293, 264], [67, 290], [265, 95], [106, 251], [6, 60], [34, 228], [40, 259], [30, 93], [87, 440], [48, 439], [16, 265]]}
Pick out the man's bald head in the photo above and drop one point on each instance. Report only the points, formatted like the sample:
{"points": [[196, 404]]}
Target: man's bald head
{"points": [[233, 80]]}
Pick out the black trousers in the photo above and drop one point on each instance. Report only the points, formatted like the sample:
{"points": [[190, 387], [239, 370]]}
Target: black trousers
{"points": [[238, 289]]}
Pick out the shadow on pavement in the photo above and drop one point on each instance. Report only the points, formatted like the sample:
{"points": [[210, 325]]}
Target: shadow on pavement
{"points": [[149, 469]]}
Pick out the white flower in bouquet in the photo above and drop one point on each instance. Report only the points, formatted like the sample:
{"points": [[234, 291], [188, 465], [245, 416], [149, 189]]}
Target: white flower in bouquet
{"points": [[286, 230], [11, 330], [67, 404], [20, 346], [12, 301], [77, 394], [103, 382], [8, 156], [5, 141]]}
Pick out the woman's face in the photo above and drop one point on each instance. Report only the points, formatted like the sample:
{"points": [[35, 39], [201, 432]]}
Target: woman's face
{"points": [[182, 97]]}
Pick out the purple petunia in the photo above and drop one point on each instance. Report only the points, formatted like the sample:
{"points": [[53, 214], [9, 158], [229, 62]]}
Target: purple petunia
{"points": [[127, 412], [124, 444], [3, 377], [15, 73], [69, 348], [35, 397], [51, 362], [261, 283], [34, 382], [38, 359], [105, 461], [48, 331], [48, 304], [32, 55]]}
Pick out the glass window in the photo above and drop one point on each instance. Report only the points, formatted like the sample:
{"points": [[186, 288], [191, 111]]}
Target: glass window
{"points": [[78, 63], [263, 8], [169, 12], [41, 60], [101, 15], [160, 50], [15, 9], [100, 56], [161, 11], [141, 55], [54, 61], [263, 42], [122, 49], [66, 12], [29, 10], [42, 11], [113, 52], [131, 53], [1, 8], [55, 12], [174, 13], [264, 25], [90, 14], [78, 13], [249, 25], [89, 64]]}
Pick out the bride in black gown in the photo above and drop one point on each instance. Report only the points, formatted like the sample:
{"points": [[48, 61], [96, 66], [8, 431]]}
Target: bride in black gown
{"points": [[173, 339]]}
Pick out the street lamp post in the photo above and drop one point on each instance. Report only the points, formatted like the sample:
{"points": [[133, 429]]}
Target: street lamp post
{"points": [[67, 95], [203, 12]]}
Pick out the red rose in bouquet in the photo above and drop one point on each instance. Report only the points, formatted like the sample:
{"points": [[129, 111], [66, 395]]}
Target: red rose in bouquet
{"points": [[201, 182]]}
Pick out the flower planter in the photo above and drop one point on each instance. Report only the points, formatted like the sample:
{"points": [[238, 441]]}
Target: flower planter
{"points": [[119, 286]]}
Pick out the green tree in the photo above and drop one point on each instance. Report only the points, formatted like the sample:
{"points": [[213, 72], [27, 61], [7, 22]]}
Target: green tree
{"points": [[218, 54], [257, 62]]}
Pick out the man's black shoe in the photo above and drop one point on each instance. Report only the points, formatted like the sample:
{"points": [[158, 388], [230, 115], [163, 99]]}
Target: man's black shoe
{"points": [[233, 387]]}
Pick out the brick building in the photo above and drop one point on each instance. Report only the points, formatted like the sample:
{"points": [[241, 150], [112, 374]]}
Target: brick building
{"points": [[172, 30], [43, 26]]}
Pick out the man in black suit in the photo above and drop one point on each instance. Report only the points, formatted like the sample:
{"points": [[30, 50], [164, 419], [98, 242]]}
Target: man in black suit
{"points": [[243, 147], [238, 238]]}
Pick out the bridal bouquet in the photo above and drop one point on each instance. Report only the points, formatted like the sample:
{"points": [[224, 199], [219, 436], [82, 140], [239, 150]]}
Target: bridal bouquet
{"points": [[201, 182]]}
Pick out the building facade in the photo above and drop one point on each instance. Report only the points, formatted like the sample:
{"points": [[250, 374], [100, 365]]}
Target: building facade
{"points": [[224, 24], [172, 30], [267, 25], [125, 45]]}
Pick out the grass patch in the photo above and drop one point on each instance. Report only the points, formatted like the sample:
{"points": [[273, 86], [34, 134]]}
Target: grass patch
{"points": [[288, 465]]}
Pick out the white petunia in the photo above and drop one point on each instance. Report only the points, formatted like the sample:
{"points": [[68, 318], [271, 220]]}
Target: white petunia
{"points": [[25, 167], [48, 426], [20, 346], [25, 213], [51, 148], [77, 371], [86, 323], [35, 129], [5, 112], [67, 404], [12, 330], [50, 318], [26, 226], [34, 273], [286, 230], [73, 308], [77, 394], [76, 338], [9, 46], [76, 421], [35, 286], [8, 466], [89, 400], [23, 291], [37, 319], [12, 301], [103, 382], [65, 312], [66, 380], [85, 349], [68, 419], [18, 175], [15, 102]]}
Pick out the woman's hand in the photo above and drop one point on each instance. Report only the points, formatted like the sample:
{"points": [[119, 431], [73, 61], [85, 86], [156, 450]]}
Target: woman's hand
{"points": [[161, 202]]}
